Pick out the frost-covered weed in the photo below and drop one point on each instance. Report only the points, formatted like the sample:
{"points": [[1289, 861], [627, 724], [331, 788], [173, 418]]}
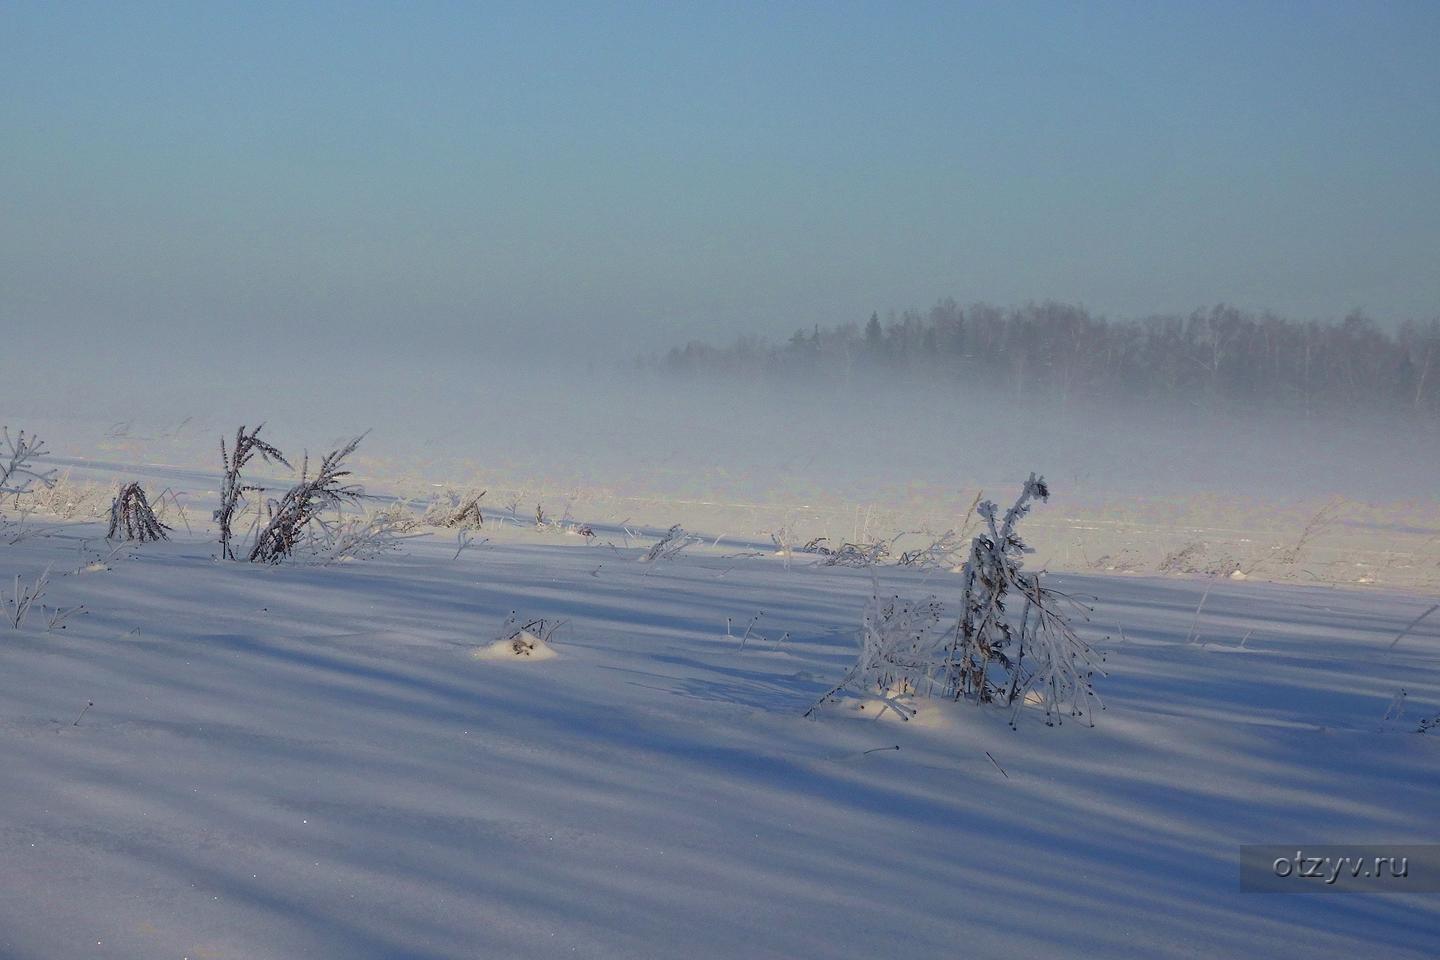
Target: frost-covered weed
{"points": [[989, 656], [675, 541], [131, 517]]}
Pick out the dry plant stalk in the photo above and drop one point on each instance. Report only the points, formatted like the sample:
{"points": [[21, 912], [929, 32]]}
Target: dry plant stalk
{"points": [[18, 607], [901, 652], [523, 637], [986, 661], [18, 474], [467, 514], [987, 657], [67, 499], [855, 555], [131, 517], [675, 541], [365, 536], [233, 488], [303, 504]]}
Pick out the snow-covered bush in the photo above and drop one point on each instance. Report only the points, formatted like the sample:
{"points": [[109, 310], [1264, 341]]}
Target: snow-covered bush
{"points": [[309, 522], [131, 517], [567, 524], [945, 550], [1322, 520], [992, 659], [817, 545], [901, 651], [528, 637]]}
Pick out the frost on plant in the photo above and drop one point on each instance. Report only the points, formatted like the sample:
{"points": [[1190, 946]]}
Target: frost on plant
{"points": [[20, 481], [26, 595], [457, 510], [669, 546], [856, 555], [18, 473], [131, 517], [233, 488], [69, 499], [901, 649], [362, 537], [990, 655], [292, 517], [992, 658]]}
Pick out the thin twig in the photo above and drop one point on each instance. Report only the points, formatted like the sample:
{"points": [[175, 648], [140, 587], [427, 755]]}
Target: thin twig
{"points": [[1412, 625], [994, 761]]}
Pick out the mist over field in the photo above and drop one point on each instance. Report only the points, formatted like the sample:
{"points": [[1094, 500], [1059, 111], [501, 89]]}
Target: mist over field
{"points": [[605, 424]]}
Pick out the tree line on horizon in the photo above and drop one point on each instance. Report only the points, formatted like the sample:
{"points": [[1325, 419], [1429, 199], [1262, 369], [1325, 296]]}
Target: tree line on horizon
{"points": [[1059, 351]]}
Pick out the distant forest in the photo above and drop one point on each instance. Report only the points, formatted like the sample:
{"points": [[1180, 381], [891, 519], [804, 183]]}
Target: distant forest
{"points": [[1215, 357]]}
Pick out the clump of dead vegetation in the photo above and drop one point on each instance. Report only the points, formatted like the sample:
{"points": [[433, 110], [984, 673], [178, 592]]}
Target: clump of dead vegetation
{"points": [[68, 499], [846, 555], [304, 505], [530, 637], [321, 517], [132, 519], [1193, 557], [233, 488], [20, 479], [19, 474], [671, 545], [990, 655], [25, 597], [901, 651], [456, 511]]}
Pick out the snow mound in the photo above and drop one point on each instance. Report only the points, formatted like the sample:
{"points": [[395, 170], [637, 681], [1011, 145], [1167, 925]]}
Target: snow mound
{"points": [[929, 712], [522, 646]]}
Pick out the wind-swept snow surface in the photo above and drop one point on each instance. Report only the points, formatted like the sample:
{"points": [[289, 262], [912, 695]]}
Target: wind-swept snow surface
{"points": [[311, 761]]}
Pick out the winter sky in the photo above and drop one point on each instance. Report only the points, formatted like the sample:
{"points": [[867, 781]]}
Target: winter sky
{"points": [[601, 179]]}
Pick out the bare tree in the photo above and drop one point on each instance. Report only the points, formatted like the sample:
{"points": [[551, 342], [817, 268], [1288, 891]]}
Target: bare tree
{"points": [[233, 488]]}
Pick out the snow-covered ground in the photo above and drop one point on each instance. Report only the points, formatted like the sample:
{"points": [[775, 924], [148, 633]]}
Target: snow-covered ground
{"points": [[332, 762]]}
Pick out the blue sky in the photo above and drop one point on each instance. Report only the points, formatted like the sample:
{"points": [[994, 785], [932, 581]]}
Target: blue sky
{"points": [[591, 179]]}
